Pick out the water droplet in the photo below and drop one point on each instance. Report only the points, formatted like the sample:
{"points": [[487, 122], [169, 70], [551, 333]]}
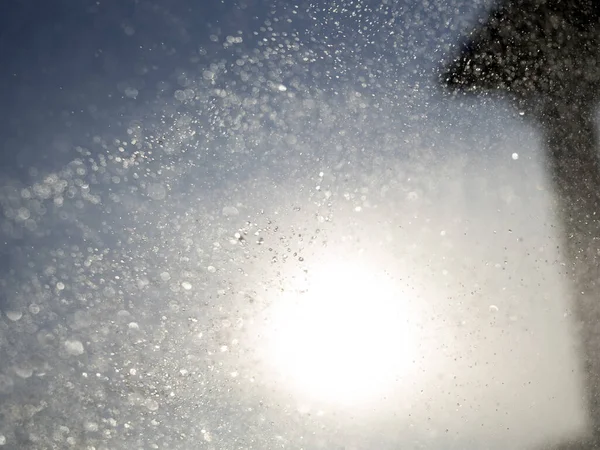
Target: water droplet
{"points": [[151, 404], [23, 371], [91, 426], [74, 347], [230, 211], [156, 191], [165, 276], [13, 315], [131, 92]]}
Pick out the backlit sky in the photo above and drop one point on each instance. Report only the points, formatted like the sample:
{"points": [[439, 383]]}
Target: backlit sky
{"points": [[170, 170]]}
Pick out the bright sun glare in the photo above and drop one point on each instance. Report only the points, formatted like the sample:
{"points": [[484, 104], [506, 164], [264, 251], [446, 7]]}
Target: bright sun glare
{"points": [[341, 335]]}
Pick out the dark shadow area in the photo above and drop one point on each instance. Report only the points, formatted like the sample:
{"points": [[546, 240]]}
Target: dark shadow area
{"points": [[544, 55]]}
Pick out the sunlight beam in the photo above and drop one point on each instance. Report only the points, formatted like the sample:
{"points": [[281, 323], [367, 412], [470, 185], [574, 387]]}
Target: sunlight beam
{"points": [[341, 334]]}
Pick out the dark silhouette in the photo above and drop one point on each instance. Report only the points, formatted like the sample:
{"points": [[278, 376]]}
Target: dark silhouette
{"points": [[545, 56]]}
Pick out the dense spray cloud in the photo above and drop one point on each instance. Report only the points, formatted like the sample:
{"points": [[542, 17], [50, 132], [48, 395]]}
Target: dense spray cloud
{"points": [[171, 170]]}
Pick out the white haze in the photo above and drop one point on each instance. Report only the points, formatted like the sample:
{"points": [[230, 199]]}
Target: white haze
{"points": [[138, 275]]}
